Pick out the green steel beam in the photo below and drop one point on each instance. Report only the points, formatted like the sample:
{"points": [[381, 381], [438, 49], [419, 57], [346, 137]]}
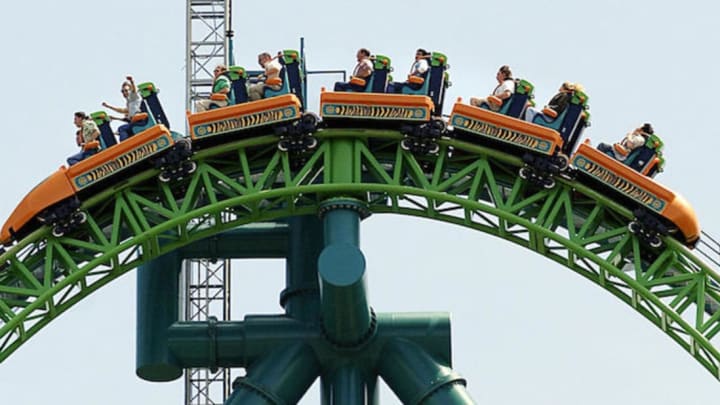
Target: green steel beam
{"points": [[249, 181]]}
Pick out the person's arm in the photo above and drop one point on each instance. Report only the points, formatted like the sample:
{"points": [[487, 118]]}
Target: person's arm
{"points": [[133, 89], [121, 110], [78, 137]]}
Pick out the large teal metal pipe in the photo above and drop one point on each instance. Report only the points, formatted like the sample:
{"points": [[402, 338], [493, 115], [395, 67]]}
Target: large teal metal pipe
{"points": [[373, 393], [345, 311], [346, 315], [279, 378], [429, 330], [348, 387], [157, 309], [342, 225], [256, 241], [301, 297], [235, 343], [417, 379]]}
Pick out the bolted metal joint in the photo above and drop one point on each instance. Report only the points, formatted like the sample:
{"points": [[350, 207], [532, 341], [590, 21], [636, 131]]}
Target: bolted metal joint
{"points": [[344, 203]]}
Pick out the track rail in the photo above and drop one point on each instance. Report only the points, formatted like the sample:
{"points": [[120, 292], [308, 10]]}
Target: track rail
{"points": [[251, 181]]}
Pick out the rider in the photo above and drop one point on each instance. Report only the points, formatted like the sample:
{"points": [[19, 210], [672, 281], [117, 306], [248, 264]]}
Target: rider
{"points": [[87, 132], [363, 69], [503, 91], [418, 69], [558, 102], [132, 107], [221, 85], [272, 69], [633, 140]]}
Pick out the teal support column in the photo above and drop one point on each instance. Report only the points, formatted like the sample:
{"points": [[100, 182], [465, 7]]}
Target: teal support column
{"points": [[301, 297], [346, 315], [278, 379], [341, 219], [416, 378], [372, 391], [157, 309], [325, 391], [347, 318], [348, 387]]}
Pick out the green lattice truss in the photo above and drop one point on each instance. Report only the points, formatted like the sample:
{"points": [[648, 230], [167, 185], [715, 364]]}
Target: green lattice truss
{"points": [[250, 181]]}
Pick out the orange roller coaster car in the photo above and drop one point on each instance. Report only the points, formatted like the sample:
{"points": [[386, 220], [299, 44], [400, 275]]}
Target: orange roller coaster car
{"points": [[56, 200], [643, 192], [505, 129], [375, 106], [245, 118]]}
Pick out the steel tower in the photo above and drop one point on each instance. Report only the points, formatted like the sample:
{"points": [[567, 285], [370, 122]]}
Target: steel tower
{"points": [[207, 282]]}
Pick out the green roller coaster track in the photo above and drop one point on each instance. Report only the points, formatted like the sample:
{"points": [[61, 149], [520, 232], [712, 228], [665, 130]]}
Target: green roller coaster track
{"points": [[251, 181]]}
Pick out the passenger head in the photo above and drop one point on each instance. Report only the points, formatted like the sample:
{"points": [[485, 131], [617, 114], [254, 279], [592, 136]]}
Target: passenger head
{"points": [[504, 73], [125, 89], [567, 86], [219, 69], [647, 129], [362, 53], [421, 53], [264, 58], [79, 118]]}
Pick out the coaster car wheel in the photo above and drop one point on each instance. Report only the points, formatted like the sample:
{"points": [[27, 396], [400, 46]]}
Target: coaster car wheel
{"points": [[164, 177], [525, 173], [563, 161], [548, 183], [58, 231], [310, 142], [655, 241], [79, 218], [189, 167], [634, 227]]}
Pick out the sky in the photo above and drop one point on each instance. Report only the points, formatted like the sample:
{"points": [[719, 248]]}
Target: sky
{"points": [[525, 330]]}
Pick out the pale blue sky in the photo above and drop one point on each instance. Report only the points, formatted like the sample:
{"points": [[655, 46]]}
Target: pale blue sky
{"points": [[525, 330]]}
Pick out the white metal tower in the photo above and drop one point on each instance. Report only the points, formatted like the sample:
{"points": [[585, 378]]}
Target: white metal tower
{"points": [[207, 282]]}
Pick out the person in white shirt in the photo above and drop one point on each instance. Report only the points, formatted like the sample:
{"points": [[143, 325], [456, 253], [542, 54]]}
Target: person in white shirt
{"points": [[419, 68], [272, 69], [631, 141], [503, 91], [363, 69], [133, 103]]}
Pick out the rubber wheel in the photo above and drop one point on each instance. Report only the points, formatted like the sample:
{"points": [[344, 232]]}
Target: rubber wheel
{"points": [[189, 166], [435, 148], [58, 231], [524, 173], [405, 144], [283, 145], [79, 217], [311, 142], [655, 241], [164, 176], [439, 125], [548, 183], [634, 227], [310, 121], [563, 162]]}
